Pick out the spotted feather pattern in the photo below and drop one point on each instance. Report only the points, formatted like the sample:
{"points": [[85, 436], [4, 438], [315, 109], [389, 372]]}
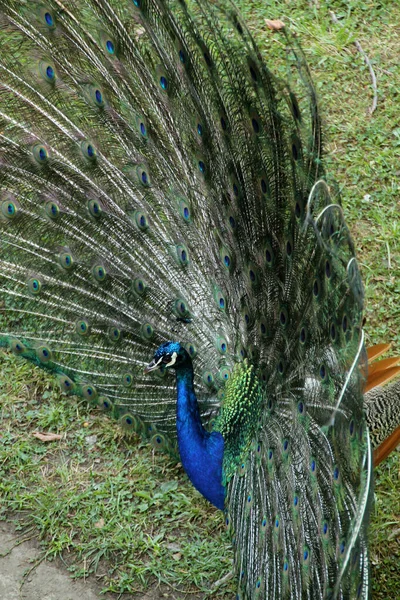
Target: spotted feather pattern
{"points": [[159, 181]]}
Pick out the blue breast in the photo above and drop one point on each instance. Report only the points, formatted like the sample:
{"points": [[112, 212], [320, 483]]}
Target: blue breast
{"points": [[201, 452]]}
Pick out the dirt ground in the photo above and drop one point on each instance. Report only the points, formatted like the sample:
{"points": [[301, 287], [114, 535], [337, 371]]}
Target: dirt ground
{"points": [[51, 580]]}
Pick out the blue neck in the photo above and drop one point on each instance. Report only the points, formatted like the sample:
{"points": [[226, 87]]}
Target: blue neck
{"points": [[201, 452]]}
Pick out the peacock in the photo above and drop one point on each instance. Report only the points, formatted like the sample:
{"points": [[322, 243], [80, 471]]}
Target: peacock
{"points": [[173, 251]]}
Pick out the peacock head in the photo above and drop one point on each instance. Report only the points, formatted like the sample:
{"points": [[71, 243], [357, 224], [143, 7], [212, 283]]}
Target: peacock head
{"points": [[170, 355]]}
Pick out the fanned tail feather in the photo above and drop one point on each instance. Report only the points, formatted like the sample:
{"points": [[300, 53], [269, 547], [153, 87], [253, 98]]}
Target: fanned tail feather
{"points": [[158, 182]]}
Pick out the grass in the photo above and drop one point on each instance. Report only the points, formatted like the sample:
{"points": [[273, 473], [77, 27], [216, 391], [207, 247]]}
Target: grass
{"points": [[108, 503]]}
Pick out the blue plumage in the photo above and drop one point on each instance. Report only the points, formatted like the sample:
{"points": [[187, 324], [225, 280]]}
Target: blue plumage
{"points": [[201, 452]]}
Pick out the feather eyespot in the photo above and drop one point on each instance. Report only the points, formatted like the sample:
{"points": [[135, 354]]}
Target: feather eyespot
{"points": [[283, 317], [269, 255], [17, 347], [47, 72], [66, 384], [99, 273], [208, 378], [40, 154], [295, 107], [224, 374], [98, 97], [191, 349], [10, 209], [104, 403], [253, 70], [256, 126], [114, 334], [44, 354], [52, 210], [303, 335], [222, 344], [181, 309], [141, 220], [286, 566], [66, 260], [226, 258], [34, 286], [49, 19], [220, 299], [82, 327], [322, 372], [328, 271], [253, 275], [264, 187], [95, 208], [139, 286], [88, 151], [184, 209], [182, 255], [147, 331]]}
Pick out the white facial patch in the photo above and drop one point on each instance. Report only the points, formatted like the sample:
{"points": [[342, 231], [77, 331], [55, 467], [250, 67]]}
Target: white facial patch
{"points": [[173, 360]]}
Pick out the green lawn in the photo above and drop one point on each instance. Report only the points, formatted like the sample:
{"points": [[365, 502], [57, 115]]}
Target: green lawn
{"points": [[107, 502]]}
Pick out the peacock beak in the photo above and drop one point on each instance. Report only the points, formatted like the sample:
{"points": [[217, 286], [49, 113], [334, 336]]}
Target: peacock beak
{"points": [[153, 365]]}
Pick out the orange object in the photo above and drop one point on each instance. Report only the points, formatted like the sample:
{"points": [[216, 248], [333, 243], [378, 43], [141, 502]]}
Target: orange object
{"points": [[387, 447]]}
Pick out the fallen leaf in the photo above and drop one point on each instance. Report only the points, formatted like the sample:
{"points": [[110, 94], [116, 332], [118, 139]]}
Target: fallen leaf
{"points": [[91, 440], [173, 547], [100, 523], [274, 24], [177, 556], [47, 437]]}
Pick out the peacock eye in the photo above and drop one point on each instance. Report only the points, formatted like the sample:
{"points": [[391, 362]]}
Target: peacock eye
{"points": [[166, 359]]}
